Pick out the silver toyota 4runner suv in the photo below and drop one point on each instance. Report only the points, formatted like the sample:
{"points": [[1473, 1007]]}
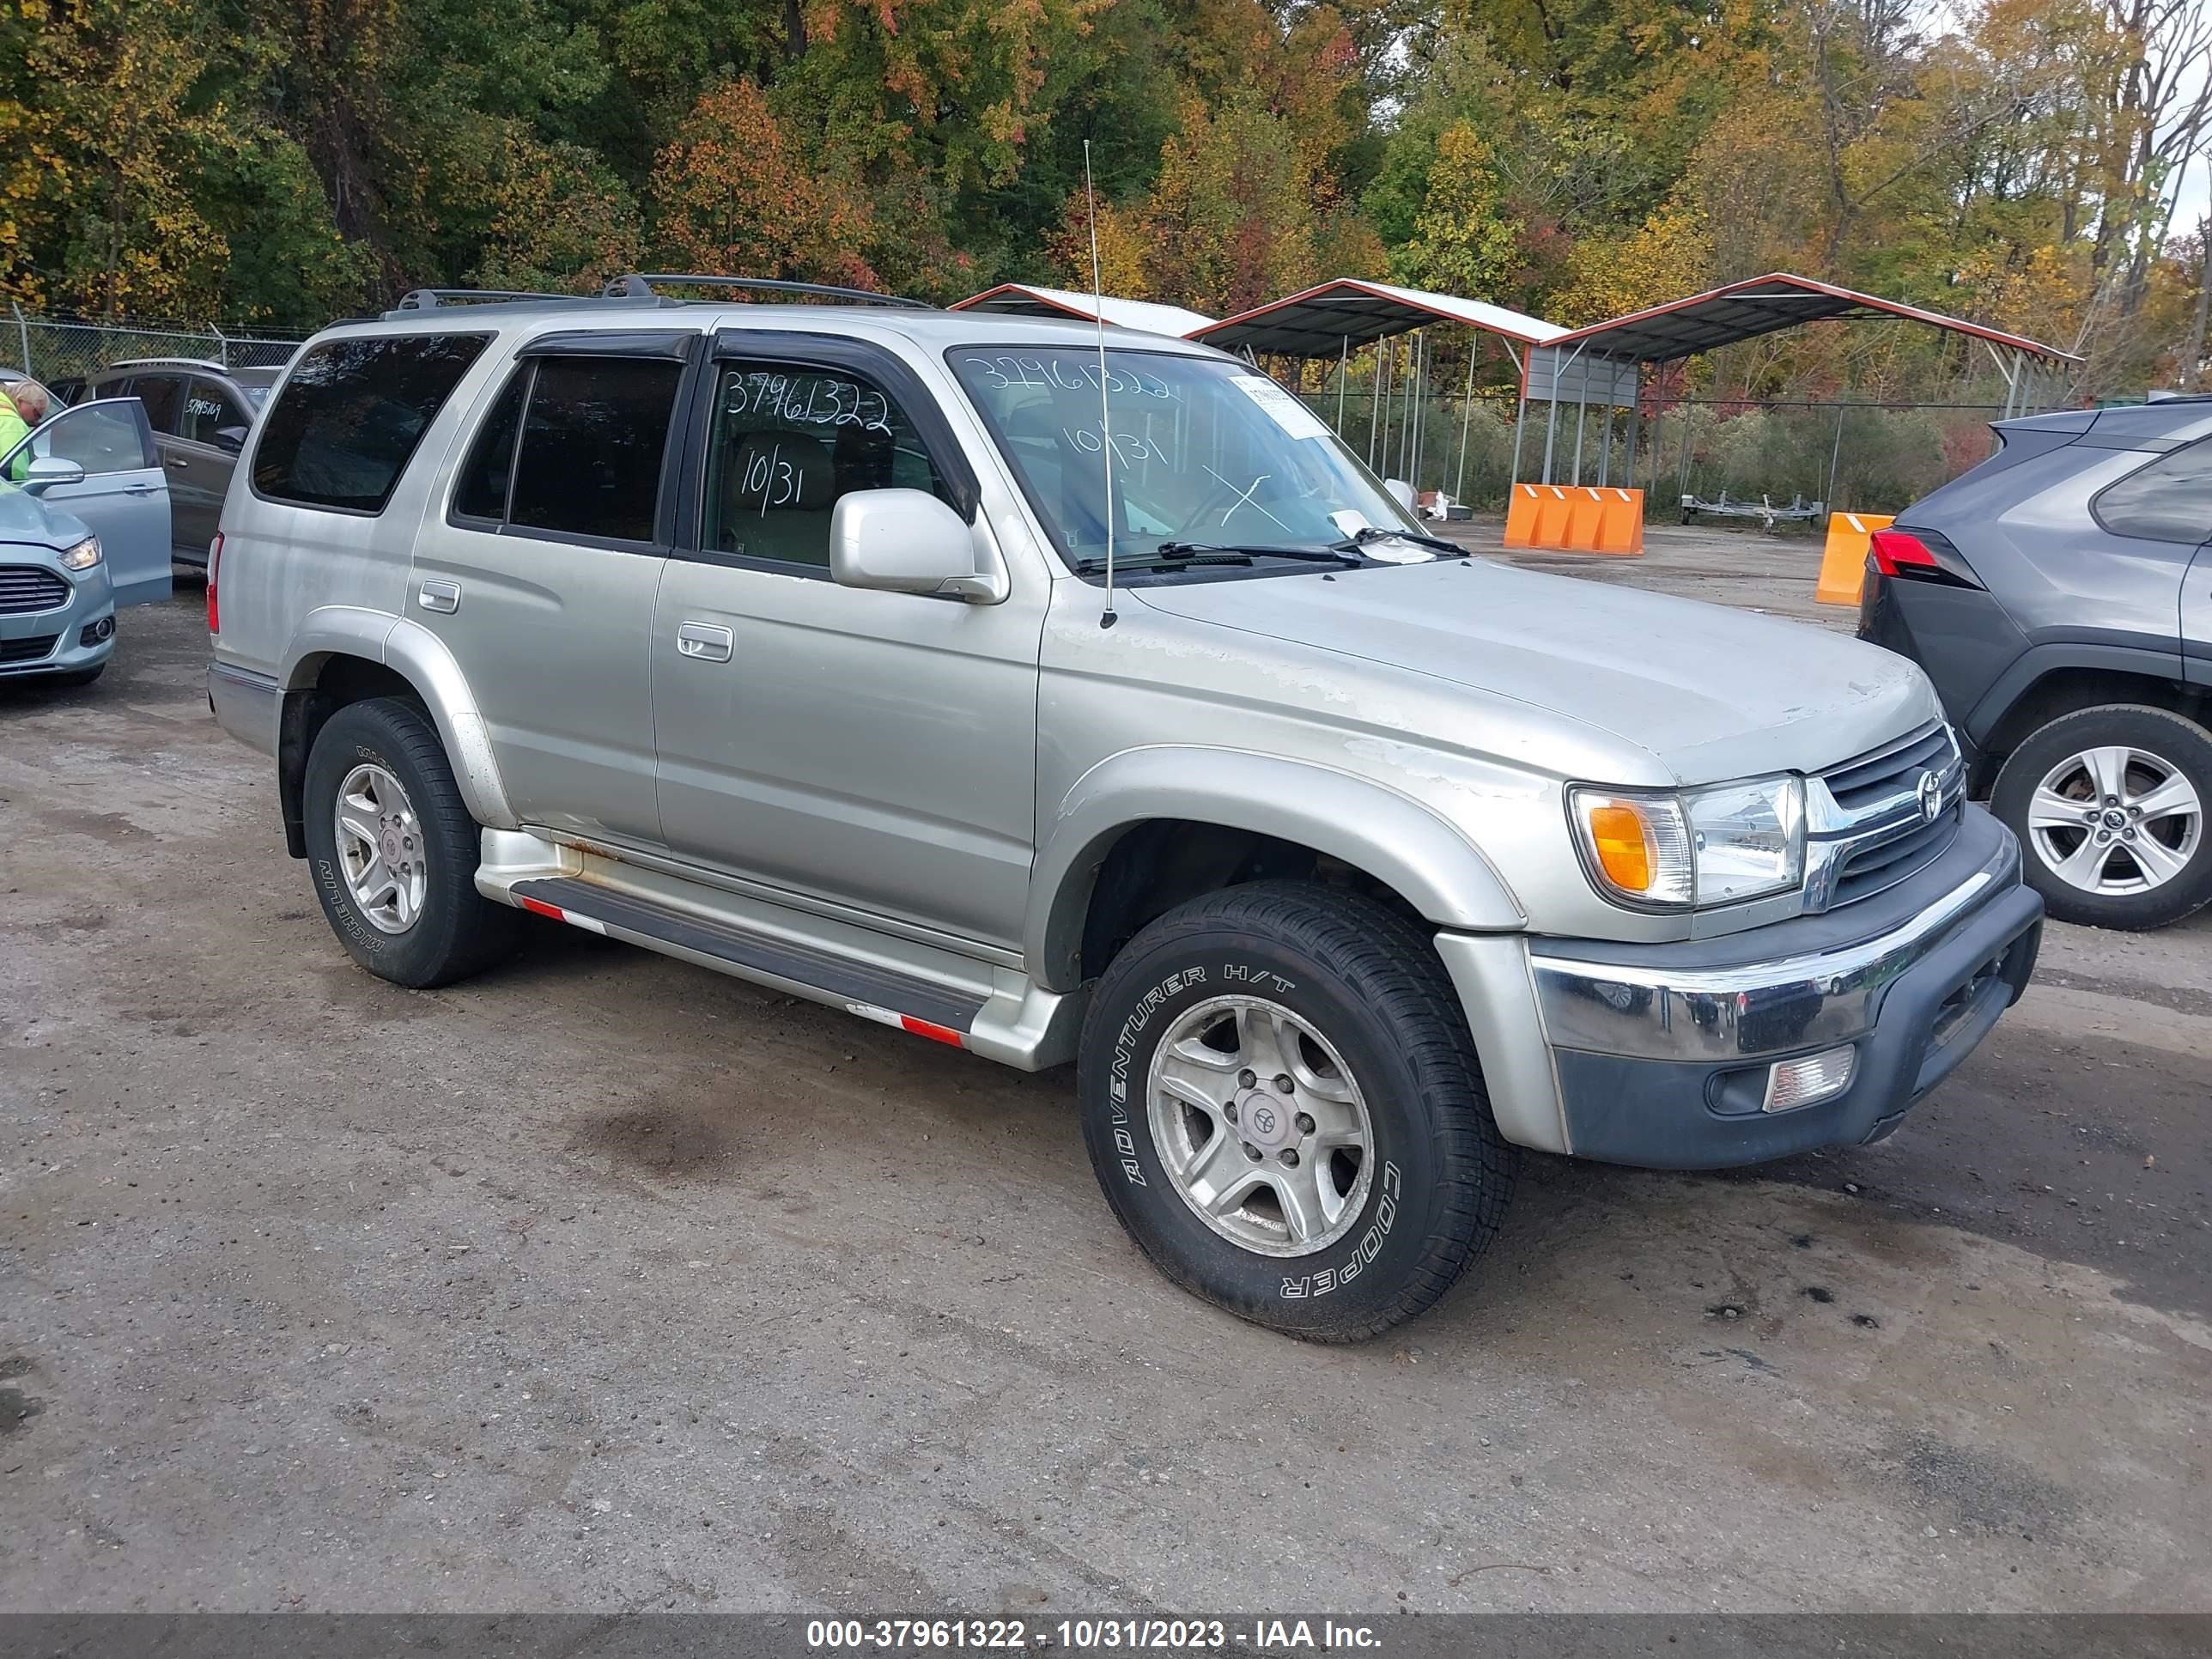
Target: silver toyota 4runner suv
{"points": [[1341, 864]]}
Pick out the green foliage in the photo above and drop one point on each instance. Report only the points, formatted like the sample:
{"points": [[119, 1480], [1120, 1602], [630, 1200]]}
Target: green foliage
{"points": [[2005, 160]]}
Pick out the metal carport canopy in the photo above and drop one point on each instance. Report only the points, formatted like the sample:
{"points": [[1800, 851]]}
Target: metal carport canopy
{"points": [[1764, 304], [1322, 321], [1029, 300]]}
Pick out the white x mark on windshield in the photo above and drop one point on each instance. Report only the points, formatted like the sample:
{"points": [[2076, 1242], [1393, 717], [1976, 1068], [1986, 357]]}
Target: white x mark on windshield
{"points": [[1245, 500]]}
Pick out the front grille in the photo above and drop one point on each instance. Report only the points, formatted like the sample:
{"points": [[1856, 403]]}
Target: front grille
{"points": [[1877, 834], [29, 650], [25, 588], [1882, 859], [1859, 784]]}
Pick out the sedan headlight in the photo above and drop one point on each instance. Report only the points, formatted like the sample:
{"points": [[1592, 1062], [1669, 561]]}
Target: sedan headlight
{"points": [[1695, 847], [84, 556]]}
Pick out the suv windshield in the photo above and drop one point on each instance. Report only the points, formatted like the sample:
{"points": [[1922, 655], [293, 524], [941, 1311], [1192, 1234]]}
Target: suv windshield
{"points": [[1207, 455]]}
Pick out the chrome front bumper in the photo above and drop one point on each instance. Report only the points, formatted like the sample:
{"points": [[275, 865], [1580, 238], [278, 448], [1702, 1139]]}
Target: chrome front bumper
{"points": [[1687, 1012]]}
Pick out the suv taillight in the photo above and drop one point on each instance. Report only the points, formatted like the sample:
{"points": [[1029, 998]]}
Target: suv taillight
{"points": [[1920, 555], [214, 559]]}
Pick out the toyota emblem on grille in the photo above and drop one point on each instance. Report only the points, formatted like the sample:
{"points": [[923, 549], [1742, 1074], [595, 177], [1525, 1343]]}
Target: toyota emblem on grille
{"points": [[1931, 796]]}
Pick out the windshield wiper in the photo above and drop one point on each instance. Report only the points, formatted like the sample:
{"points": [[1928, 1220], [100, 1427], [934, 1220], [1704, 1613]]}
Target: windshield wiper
{"points": [[1177, 552], [1164, 559], [1376, 532]]}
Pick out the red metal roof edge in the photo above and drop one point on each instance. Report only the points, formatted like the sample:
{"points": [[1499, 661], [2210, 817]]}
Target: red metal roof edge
{"points": [[1812, 285], [1027, 292], [1372, 293]]}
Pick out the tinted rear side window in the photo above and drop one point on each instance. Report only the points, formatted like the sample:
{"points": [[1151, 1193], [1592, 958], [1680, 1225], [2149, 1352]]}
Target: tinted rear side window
{"points": [[352, 414], [160, 393], [483, 490], [593, 439], [2168, 500]]}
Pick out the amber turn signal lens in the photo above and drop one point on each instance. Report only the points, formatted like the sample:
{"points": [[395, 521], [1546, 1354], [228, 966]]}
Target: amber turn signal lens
{"points": [[1625, 846]]}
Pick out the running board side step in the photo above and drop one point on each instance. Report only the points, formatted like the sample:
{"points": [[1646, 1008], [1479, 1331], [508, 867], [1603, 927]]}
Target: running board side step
{"points": [[859, 987], [1017, 1022]]}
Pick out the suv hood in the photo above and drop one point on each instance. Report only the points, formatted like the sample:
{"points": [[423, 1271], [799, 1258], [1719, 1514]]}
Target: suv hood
{"points": [[1711, 692]]}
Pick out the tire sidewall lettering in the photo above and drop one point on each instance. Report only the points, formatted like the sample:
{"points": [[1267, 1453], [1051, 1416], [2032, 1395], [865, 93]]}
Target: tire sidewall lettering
{"points": [[1200, 975]]}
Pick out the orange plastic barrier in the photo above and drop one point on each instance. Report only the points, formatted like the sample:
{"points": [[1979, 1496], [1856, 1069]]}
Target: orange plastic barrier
{"points": [[1576, 519], [1842, 560], [1620, 531], [1585, 513], [1521, 515], [1551, 509]]}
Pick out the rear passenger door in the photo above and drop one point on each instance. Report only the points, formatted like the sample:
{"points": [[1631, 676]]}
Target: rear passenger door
{"points": [[163, 394], [210, 431], [542, 576], [2164, 508]]}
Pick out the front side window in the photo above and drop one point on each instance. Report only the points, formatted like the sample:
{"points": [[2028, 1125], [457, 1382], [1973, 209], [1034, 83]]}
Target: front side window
{"points": [[2168, 500], [1206, 453], [787, 441], [109, 436], [351, 415], [594, 432], [212, 417]]}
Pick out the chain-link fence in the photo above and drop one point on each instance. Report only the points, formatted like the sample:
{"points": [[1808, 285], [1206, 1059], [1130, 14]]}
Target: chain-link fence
{"points": [[58, 350]]}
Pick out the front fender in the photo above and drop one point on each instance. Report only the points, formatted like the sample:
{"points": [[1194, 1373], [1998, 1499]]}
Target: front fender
{"points": [[420, 658], [1400, 842]]}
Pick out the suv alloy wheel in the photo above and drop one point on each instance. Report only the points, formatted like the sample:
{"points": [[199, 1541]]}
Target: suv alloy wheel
{"points": [[1282, 1107], [394, 851]]}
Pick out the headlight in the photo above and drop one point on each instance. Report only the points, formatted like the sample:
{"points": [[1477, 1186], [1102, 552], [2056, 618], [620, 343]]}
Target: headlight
{"points": [[84, 556], [1695, 847]]}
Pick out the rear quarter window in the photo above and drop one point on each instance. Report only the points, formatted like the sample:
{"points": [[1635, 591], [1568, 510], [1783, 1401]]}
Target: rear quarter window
{"points": [[350, 418], [2170, 500]]}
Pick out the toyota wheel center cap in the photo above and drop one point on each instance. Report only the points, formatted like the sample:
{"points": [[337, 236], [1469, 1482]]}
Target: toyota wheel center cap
{"points": [[1268, 1121]]}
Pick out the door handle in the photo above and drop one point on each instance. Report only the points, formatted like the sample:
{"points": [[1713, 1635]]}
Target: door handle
{"points": [[705, 641], [176, 461], [435, 594], [139, 490]]}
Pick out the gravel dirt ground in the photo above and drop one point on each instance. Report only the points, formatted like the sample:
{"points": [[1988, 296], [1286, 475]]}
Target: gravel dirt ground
{"points": [[606, 1283]]}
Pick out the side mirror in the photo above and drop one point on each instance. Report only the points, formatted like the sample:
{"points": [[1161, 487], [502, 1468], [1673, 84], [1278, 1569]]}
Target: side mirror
{"points": [[906, 541], [1401, 492], [47, 470]]}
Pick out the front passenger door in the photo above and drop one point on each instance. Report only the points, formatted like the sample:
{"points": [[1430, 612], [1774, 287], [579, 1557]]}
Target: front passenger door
{"points": [[121, 498], [876, 750]]}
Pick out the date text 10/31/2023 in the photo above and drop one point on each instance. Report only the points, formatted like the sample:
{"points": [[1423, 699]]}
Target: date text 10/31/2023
{"points": [[1252, 1636]]}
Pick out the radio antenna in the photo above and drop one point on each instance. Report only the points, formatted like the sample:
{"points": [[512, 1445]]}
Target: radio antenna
{"points": [[1105, 419]]}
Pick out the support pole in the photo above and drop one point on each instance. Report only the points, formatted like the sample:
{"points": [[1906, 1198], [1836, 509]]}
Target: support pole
{"points": [[1378, 408], [1605, 445], [1581, 413], [1689, 431], [22, 334], [1835, 458], [1466, 414], [1551, 417], [1635, 432], [1343, 369]]}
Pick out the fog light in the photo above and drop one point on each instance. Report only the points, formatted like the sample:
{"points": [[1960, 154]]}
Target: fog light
{"points": [[1794, 1083], [94, 632]]}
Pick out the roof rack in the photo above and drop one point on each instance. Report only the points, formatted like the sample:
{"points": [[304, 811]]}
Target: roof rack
{"points": [[430, 299], [639, 286]]}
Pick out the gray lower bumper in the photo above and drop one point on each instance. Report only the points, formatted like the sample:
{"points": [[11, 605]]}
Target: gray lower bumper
{"points": [[245, 704], [1659, 1056]]}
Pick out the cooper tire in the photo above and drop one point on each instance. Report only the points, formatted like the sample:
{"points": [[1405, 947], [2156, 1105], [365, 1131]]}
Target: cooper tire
{"points": [[1382, 1024], [2150, 747], [451, 930]]}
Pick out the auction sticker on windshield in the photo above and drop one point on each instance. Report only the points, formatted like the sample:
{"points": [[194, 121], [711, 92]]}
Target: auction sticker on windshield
{"points": [[1286, 411]]}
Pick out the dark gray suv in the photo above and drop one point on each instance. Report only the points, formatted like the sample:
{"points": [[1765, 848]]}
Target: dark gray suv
{"points": [[200, 413], [2060, 597]]}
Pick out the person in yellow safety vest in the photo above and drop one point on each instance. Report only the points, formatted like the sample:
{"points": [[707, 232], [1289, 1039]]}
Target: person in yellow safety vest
{"points": [[24, 405]]}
